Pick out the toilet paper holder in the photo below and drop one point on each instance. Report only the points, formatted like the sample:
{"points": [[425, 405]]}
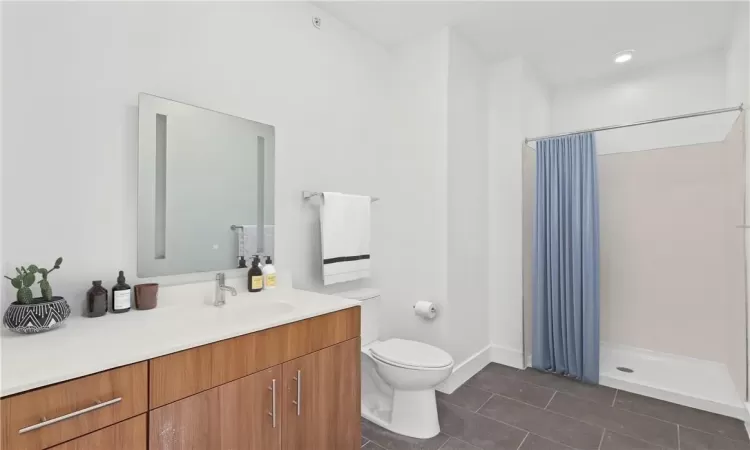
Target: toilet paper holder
{"points": [[425, 310]]}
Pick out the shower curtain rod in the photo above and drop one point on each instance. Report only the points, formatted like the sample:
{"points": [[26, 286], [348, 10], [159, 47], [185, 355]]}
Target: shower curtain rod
{"points": [[643, 122]]}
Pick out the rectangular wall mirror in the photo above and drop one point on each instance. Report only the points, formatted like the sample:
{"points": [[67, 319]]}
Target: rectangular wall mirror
{"points": [[205, 188]]}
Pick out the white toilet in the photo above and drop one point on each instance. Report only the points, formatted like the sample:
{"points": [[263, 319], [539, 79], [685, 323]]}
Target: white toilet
{"points": [[399, 376]]}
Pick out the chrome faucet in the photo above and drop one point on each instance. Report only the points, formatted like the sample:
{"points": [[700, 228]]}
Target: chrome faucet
{"points": [[219, 299]]}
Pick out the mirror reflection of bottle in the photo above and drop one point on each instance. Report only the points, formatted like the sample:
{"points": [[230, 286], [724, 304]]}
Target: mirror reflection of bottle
{"points": [[121, 295]]}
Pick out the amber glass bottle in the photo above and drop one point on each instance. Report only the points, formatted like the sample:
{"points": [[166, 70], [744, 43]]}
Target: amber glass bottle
{"points": [[255, 277], [121, 295], [96, 300]]}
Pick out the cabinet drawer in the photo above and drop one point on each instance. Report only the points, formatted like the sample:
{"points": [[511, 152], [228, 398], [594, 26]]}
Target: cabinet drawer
{"points": [[320, 332], [179, 375], [45, 417], [245, 355], [128, 435]]}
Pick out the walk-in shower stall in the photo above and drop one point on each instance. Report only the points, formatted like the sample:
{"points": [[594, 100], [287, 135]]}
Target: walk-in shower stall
{"points": [[673, 317]]}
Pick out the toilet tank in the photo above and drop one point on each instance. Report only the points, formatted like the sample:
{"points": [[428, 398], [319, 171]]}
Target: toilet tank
{"points": [[370, 312]]}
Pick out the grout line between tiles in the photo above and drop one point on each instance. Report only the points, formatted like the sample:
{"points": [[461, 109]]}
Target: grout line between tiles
{"points": [[601, 441], [550, 400], [469, 384], [632, 412], [519, 428], [583, 421], [552, 440], [527, 431], [523, 440], [614, 399], [485, 402], [708, 432], [563, 415], [679, 424], [544, 386], [459, 440]]}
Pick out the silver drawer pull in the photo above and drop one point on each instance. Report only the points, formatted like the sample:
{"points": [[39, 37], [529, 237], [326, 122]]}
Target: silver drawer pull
{"points": [[272, 412], [45, 422], [298, 379]]}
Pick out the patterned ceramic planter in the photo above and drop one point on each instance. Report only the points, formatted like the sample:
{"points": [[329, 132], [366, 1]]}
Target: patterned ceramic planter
{"points": [[36, 317]]}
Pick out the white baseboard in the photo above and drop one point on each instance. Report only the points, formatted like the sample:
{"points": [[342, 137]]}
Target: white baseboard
{"points": [[507, 357], [465, 370]]}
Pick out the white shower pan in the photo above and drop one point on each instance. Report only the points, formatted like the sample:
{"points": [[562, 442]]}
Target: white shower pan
{"points": [[692, 382]]}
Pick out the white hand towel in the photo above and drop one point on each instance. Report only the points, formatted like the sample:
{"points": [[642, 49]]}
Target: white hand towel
{"points": [[345, 237]]}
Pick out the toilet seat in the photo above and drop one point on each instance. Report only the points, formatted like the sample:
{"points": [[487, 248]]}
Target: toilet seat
{"points": [[410, 354]]}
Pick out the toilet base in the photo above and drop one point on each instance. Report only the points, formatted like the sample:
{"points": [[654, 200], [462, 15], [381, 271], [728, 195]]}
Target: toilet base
{"points": [[414, 414]]}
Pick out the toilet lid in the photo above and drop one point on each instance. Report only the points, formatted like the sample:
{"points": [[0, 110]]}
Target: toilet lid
{"points": [[408, 353]]}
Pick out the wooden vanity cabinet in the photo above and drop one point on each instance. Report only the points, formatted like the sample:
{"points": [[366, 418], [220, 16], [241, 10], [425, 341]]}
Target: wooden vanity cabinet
{"points": [[292, 387]]}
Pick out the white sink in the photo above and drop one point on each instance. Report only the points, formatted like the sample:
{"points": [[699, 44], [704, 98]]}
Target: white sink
{"points": [[267, 308], [247, 303]]}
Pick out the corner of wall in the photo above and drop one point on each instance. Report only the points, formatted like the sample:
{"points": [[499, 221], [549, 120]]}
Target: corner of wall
{"points": [[514, 113]]}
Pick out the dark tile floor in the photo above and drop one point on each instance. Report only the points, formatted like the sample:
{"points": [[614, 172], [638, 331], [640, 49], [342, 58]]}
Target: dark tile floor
{"points": [[502, 408]]}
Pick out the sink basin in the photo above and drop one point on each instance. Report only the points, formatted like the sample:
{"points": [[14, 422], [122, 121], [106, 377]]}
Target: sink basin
{"points": [[268, 308], [257, 307]]}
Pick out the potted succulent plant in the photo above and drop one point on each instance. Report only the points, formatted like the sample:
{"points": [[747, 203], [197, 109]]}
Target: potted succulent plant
{"points": [[34, 315]]}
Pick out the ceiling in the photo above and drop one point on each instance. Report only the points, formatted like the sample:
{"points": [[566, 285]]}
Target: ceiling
{"points": [[565, 41]]}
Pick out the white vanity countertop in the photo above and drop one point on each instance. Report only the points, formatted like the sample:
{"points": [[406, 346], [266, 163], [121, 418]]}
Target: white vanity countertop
{"points": [[82, 346]]}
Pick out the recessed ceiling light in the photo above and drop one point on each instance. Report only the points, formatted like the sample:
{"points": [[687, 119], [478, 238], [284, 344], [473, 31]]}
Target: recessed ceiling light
{"points": [[624, 56]]}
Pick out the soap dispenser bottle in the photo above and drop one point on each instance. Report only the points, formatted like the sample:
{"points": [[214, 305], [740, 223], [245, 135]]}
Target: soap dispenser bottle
{"points": [[255, 277], [121, 295], [269, 274]]}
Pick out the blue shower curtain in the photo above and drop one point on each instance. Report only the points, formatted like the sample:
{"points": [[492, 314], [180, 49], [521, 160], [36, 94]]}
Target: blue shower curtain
{"points": [[566, 258]]}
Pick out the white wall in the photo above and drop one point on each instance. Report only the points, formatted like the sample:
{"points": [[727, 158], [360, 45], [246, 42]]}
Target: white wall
{"points": [[437, 188], [71, 76], [678, 87], [738, 58], [71, 79], [414, 238], [467, 199], [504, 137], [518, 108]]}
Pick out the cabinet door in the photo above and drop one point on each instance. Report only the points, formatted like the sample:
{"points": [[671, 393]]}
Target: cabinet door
{"points": [[127, 435], [322, 399], [234, 416], [189, 424], [250, 412]]}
